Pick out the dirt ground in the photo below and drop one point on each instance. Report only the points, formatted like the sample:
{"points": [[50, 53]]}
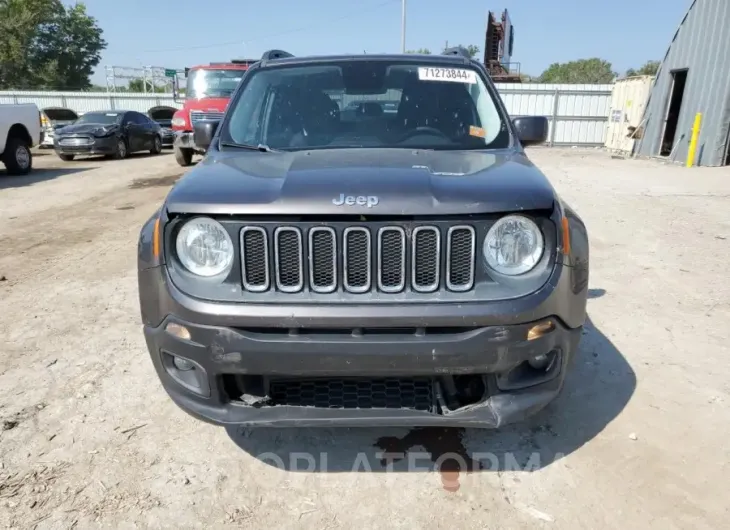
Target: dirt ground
{"points": [[638, 439]]}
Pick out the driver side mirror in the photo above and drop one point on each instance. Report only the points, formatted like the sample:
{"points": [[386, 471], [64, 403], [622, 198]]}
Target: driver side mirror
{"points": [[531, 130], [203, 133]]}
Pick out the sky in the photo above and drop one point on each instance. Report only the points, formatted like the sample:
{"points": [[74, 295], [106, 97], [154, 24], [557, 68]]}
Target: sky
{"points": [[179, 33]]}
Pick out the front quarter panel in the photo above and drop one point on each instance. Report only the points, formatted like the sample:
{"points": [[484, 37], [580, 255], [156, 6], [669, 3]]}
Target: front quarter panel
{"points": [[578, 258]]}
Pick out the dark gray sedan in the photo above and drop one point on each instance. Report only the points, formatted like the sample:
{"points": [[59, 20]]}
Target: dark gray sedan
{"points": [[110, 133]]}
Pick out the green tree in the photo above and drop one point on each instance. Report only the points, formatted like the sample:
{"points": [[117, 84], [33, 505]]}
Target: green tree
{"points": [[584, 71], [473, 49], [137, 85], [45, 44], [649, 68], [424, 51]]}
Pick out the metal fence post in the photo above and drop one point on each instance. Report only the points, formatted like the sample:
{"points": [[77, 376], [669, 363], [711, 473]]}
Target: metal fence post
{"points": [[556, 101]]}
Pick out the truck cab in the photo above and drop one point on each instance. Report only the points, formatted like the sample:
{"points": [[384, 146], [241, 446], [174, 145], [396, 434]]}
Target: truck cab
{"points": [[207, 92]]}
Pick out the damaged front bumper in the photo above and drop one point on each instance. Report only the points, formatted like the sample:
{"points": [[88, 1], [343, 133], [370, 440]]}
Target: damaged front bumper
{"points": [[469, 365], [185, 140]]}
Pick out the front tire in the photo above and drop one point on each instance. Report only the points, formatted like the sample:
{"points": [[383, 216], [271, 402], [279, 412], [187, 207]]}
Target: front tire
{"points": [[121, 152], [66, 158], [18, 159], [157, 147], [183, 156]]}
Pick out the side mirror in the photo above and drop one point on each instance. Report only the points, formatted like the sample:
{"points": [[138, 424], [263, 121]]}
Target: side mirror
{"points": [[531, 130], [176, 90], [203, 133]]}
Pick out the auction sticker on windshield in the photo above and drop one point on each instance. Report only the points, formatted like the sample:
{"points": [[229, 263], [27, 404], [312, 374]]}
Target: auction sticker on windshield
{"points": [[456, 75]]}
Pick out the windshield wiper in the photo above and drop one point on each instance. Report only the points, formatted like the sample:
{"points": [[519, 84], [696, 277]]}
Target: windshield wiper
{"points": [[260, 147]]}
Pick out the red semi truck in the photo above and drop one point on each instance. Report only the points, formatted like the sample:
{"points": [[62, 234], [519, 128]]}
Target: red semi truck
{"points": [[208, 90]]}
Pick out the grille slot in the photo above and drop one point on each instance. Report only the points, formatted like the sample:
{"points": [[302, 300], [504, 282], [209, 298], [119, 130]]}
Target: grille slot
{"points": [[460, 255], [425, 259], [255, 259], [354, 393], [288, 259], [357, 260], [391, 259], [322, 259]]}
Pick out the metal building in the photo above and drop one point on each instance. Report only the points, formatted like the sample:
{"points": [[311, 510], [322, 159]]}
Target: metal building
{"points": [[694, 77]]}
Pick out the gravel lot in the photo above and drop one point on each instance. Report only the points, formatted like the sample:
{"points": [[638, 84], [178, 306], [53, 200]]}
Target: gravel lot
{"points": [[638, 439]]}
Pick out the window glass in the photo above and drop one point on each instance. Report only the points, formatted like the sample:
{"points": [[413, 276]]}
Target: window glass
{"points": [[367, 104]]}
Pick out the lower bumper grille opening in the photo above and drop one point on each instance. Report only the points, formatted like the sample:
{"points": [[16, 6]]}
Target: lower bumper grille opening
{"points": [[355, 393], [437, 395]]}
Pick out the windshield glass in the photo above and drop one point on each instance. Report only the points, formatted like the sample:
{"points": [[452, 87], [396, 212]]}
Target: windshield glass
{"points": [[106, 118], [212, 83], [367, 103]]}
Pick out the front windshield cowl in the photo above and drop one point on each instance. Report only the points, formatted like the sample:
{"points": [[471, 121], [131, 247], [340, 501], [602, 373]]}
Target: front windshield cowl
{"points": [[378, 103]]}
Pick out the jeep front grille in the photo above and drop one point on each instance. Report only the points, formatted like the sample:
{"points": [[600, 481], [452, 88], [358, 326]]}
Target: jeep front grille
{"points": [[358, 259]]}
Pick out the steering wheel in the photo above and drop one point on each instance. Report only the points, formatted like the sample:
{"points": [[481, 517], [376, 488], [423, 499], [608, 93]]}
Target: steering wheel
{"points": [[422, 130]]}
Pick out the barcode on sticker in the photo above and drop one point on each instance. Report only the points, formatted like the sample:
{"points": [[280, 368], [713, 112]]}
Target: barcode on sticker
{"points": [[455, 75]]}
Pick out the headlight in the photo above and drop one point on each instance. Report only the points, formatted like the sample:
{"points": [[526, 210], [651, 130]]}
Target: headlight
{"points": [[179, 122], [514, 245], [204, 247]]}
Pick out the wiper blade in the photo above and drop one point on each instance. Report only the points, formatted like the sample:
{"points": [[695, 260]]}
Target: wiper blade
{"points": [[260, 147]]}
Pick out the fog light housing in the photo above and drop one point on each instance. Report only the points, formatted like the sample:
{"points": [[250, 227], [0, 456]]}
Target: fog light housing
{"points": [[182, 364], [543, 362]]}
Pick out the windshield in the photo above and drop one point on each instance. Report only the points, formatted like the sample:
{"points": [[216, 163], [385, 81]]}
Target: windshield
{"points": [[367, 103], [105, 118], [212, 83]]}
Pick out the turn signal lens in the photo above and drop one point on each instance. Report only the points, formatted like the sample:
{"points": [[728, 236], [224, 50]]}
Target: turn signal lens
{"points": [[540, 330], [176, 330], [566, 236]]}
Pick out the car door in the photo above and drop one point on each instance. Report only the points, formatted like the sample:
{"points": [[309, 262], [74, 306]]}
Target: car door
{"points": [[131, 132], [152, 130], [145, 134]]}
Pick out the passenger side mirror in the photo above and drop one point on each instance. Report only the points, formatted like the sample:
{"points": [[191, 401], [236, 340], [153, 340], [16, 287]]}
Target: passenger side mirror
{"points": [[531, 130], [203, 133]]}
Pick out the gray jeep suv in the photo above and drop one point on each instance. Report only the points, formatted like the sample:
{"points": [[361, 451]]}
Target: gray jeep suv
{"points": [[403, 268]]}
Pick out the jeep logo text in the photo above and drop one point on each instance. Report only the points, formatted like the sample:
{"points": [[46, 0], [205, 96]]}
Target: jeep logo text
{"points": [[352, 200]]}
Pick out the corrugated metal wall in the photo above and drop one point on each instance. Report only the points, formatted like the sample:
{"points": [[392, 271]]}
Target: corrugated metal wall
{"points": [[578, 114], [701, 45], [87, 101]]}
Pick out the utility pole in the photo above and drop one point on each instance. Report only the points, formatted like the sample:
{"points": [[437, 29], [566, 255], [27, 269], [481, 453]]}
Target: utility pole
{"points": [[403, 28]]}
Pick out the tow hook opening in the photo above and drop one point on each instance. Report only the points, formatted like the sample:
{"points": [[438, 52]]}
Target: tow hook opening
{"points": [[533, 371]]}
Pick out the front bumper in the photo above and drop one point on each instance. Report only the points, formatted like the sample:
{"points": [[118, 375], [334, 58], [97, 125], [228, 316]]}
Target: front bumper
{"points": [[185, 140], [100, 146], [241, 344]]}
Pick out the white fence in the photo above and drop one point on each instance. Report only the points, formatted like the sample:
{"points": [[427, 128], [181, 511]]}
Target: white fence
{"points": [[578, 114]]}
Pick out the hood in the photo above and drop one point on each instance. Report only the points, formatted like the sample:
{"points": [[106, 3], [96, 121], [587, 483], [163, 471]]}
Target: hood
{"points": [[161, 113], [362, 182], [84, 128], [60, 115]]}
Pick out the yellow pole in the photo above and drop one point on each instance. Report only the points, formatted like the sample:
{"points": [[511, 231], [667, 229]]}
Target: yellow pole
{"points": [[693, 141]]}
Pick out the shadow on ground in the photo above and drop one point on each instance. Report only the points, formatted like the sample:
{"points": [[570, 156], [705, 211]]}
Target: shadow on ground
{"points": [[597, 389], [37, 175]]}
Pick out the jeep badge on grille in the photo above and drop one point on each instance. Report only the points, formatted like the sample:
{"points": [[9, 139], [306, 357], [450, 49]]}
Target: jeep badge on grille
{"points": [[360, 200]]}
